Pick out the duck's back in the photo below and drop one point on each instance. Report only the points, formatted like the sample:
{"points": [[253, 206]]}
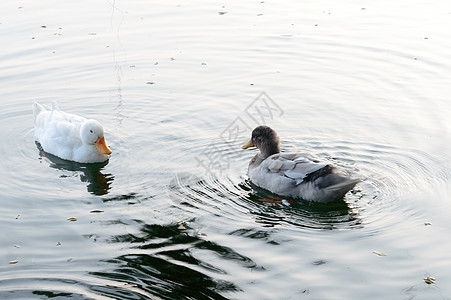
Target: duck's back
{"points": [[300, 175], [57, 132]]}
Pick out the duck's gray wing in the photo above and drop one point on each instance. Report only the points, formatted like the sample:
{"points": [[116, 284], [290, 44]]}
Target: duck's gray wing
{"points": [[296, 166]]}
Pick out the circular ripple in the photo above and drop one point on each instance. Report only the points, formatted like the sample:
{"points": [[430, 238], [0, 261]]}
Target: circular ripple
{"points": [[389, 176]]}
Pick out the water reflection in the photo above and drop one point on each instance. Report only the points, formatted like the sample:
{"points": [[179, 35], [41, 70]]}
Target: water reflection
{"points": [[271, 210], [169, 262], [221, 197], [98, 183]]}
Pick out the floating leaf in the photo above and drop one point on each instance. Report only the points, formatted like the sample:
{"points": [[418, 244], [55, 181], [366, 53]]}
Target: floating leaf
{"points": [[427, 224], [58, 244], [69, 259], [16, 246], [222, 12], [379, 253], [72, 219], [202, 234], [96, 211], [181, 227], [429, 280], [150, 82], [13, 262]]}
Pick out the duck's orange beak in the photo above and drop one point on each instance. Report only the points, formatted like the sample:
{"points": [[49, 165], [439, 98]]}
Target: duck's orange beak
{"points": [[248, 145], [102, 145]]}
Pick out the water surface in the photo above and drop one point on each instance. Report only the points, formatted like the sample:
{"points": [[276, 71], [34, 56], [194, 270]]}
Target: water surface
{"points": [[178, 87]]}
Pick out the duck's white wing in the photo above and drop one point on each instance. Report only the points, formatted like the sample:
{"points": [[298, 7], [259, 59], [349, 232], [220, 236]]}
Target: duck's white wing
{"points": [[57, 131], [295, 166]]}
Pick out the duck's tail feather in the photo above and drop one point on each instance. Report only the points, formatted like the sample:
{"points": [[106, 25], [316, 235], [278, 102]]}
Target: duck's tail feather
{"points": [[37, 109], [333, 183], [344, 186], [55, 106]]}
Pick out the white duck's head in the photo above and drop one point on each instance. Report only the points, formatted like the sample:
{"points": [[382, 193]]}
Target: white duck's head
{"points": [[265, 139], [91, 133]]}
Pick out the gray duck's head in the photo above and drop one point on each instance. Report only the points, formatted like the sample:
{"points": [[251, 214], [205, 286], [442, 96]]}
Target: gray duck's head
{"points": [[265, 139]]}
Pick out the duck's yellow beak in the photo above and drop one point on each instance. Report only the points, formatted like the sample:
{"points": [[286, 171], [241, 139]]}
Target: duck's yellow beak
{"points": [[248, 145], [102, 145]]}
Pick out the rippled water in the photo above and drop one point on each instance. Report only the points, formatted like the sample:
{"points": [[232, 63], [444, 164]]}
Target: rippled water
{"points": [[178, 87]]}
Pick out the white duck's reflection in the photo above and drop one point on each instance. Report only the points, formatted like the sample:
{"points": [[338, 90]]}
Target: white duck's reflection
{"points": [[98, 183]]}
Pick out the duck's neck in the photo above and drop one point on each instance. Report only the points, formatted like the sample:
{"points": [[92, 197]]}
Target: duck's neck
{"points": [[269, 149]]}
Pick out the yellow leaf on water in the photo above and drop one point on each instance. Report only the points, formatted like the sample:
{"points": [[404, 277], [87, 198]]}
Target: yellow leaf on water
{"points": [[181, 227], [379, 253], [429, 280], [13, 262], [72, 219]]}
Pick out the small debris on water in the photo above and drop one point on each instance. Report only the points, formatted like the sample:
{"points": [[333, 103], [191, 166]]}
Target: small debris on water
{"points": [[96, 211], [13, 262], [130, 284], [72, 219], [181, 225], [379, 253], [429, 280]]}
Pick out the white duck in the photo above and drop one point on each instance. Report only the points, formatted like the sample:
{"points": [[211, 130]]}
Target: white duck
{"points": [[69, 136], [294, 174]]}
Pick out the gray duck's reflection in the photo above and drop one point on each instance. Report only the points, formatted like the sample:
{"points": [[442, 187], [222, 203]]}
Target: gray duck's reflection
{"points": [[165, 262]]}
